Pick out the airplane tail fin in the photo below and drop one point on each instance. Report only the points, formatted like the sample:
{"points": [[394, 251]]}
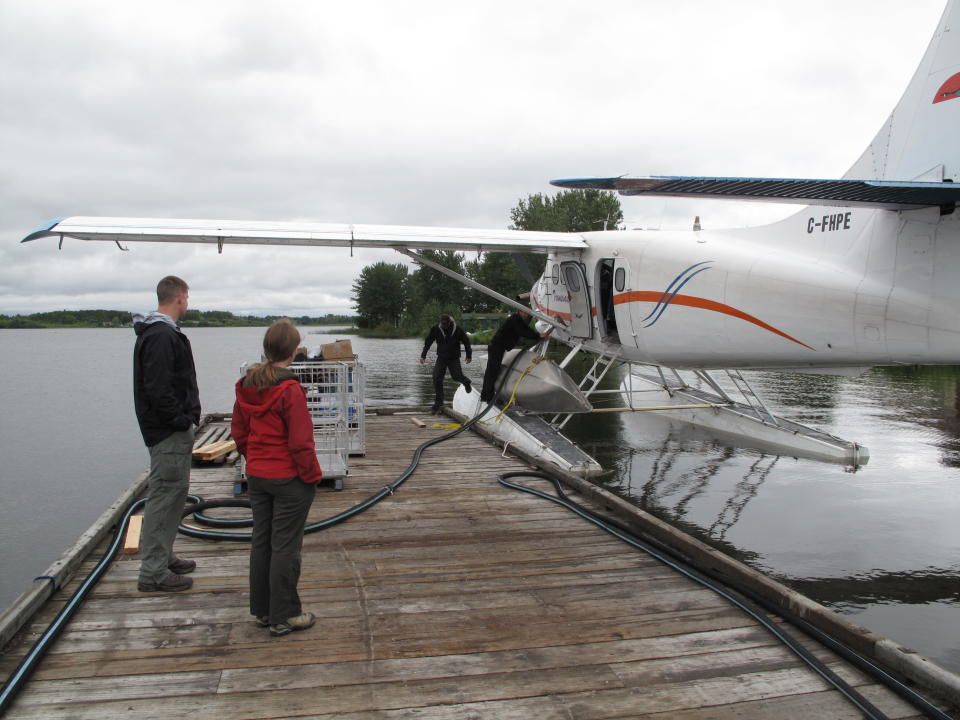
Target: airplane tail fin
{"points": [[919, 139]]}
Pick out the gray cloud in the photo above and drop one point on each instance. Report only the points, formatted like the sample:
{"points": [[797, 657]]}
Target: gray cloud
{"points": [[424, 113]]}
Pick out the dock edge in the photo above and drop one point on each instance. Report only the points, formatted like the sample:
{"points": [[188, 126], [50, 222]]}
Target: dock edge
{"points": [[62, 570], [884, 651]]}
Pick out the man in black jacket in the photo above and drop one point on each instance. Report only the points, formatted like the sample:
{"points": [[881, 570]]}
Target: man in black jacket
{"points": [[448, 337], [506, 338], [167, 402]]}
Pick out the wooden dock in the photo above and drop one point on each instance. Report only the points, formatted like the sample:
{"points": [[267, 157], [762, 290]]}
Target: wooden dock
{"points": [[453, 598]]}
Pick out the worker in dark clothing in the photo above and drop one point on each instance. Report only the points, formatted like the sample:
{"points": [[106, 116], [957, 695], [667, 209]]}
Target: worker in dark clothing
{"points": [[506, 338], [167, 403], [448, 337]]}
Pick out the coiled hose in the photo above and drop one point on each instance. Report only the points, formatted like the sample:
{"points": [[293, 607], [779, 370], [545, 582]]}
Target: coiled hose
{"points": [[197, 509], [712, 580]]}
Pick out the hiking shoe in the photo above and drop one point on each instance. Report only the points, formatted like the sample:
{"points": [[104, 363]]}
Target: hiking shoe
{"points": [[182, 566], [300, 622], [171, 583], [262, 621]]}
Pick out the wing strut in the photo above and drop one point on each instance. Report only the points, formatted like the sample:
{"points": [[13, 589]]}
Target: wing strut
{"points": [[482, 288]]}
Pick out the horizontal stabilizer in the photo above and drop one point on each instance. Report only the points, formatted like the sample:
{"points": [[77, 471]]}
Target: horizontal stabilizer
{"points": [[887, 194], [222, 232]]}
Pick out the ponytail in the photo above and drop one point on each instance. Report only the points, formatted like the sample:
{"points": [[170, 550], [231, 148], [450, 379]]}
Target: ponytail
{"points": [[279, 343]]}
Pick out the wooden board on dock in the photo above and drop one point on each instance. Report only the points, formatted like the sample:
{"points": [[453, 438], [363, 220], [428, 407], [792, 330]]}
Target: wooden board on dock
{"points": [[131, 541], [452, 598], [214, 450]]}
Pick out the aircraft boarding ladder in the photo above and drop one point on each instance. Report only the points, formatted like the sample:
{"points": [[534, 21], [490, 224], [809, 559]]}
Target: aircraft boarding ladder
{"points": [[591, 380]]}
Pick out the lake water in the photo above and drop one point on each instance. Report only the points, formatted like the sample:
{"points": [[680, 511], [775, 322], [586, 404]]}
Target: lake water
{"points": [[880, 545]]}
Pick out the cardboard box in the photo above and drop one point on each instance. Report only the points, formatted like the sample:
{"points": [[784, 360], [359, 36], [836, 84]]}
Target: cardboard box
{"points": [[339, 350]]}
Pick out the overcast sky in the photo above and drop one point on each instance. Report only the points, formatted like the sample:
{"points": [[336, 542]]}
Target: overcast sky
{"points": [[418, 113]]}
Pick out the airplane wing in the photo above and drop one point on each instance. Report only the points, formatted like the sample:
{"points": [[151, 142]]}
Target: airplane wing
{"points": [[304, 234], [887, 194]]}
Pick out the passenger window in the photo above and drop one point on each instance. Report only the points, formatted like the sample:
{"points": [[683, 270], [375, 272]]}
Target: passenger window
{"points": [[620, 279], [573, 282], [556, 274]]}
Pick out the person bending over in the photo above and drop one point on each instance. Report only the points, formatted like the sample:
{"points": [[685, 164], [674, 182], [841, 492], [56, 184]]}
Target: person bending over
{"points": [[506, 338]]}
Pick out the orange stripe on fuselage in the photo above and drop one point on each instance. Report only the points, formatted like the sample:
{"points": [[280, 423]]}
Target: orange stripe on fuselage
{"points": [[553, 313], [703, 304]]}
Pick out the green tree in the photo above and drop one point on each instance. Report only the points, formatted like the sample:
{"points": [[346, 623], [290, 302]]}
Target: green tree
{"points": [[567, 211], [380, 294], [499, 271], [428, 285]]}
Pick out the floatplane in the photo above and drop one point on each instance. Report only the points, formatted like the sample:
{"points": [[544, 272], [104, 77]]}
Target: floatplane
{"points": [[865, 274]]}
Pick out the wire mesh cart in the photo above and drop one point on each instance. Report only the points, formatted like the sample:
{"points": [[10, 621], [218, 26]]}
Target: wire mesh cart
{"points": [[335, 391], [316, 378], [327, 383]]}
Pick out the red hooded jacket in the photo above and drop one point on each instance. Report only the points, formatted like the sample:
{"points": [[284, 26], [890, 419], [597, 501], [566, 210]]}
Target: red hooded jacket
{"points": [[274, 432]]}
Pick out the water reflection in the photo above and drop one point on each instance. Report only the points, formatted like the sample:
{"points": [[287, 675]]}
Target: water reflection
{"points": [[746, 490], [919, 587], [877, 545]]}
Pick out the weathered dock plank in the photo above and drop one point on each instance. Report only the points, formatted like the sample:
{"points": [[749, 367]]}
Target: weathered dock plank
{"points": [[453, 598]]}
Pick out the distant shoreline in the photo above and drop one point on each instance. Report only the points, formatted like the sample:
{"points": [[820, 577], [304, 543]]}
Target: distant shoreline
{"points": [[90, 319], [332, 328]]}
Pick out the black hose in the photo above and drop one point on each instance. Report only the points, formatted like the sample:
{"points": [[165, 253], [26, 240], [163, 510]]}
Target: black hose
{"points": [[314, 526], [339, 518], [713, 581], [30, 661], [848, 653]]}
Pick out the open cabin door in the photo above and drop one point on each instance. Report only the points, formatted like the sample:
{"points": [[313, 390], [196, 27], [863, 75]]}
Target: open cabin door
{"points": [[622, 285], [581, 315]]}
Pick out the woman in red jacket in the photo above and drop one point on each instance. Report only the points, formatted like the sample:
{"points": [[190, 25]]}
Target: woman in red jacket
{"points": [[273, 431]]}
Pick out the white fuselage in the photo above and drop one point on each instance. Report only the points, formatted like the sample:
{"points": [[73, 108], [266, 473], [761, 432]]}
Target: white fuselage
{"points": [[824, 288]]}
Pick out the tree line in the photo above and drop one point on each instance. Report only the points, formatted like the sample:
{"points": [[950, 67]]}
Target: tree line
{"points": [[122, 318], [391, 299]]}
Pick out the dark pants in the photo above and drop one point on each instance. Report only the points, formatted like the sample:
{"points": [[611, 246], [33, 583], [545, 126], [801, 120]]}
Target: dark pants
{"points": [[280, 510], [494, 361], [439, 370]]}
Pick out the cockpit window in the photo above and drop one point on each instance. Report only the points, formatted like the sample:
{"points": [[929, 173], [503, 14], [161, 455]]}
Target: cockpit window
{"points": [[556, 274]]}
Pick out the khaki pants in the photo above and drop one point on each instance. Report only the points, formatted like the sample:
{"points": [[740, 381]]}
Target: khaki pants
{"points": [[168, 484]]}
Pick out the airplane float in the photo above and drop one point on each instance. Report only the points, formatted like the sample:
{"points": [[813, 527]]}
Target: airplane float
{"points": [[866, 274]]}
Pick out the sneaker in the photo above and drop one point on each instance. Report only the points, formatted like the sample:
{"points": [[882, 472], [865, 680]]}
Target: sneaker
{"points": [[262, 621], [300, 622], [171, 583], [435, 410], [181, 566]]}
